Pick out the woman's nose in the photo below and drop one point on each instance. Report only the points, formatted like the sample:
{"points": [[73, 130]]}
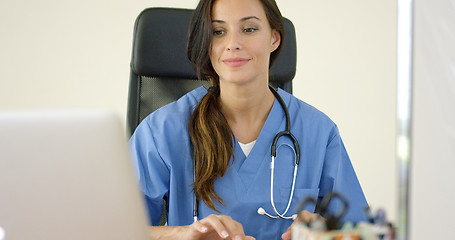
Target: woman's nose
{"points": [[233, 42]]}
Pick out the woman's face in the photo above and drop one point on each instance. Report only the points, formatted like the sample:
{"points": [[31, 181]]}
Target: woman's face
{"points": [[242, 41]]}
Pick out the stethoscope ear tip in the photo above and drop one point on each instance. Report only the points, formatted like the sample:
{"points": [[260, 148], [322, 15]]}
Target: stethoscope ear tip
{"points": [[261, 211]]}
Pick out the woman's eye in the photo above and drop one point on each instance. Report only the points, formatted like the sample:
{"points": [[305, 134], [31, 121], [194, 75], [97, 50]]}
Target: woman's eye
{"points": [[218, 32], [250, 29]]}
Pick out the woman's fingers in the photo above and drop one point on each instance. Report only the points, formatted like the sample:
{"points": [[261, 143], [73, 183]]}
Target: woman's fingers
{"points": [[214, 222], [306, 216], [234, 228], [200, 227], [287, 235], [225, 226]]}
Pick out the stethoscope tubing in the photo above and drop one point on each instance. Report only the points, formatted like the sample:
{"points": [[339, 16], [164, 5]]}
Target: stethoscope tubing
{"points": [[274, 149], [272, 202]]}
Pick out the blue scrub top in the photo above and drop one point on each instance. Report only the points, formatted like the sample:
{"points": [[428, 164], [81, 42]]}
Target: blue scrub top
{"points": [[162, 153]]}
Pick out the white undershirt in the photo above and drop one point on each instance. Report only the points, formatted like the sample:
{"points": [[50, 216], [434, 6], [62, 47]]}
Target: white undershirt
{"points": [[246, 147]]}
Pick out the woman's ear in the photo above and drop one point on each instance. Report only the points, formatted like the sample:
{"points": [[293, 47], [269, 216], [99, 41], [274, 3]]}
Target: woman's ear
{"points": [[276, 40]]}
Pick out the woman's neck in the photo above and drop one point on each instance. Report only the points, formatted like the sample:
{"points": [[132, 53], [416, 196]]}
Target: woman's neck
{"points": [[246, 108]]}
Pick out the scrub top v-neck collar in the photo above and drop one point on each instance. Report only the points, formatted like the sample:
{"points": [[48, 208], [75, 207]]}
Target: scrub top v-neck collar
{"points": [[247, 167]]}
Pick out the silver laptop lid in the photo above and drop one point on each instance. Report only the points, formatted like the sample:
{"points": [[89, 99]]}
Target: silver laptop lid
{"points": [[67, 175]]}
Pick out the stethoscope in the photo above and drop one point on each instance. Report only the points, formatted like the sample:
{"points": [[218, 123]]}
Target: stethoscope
{"points": [[274, 149]]}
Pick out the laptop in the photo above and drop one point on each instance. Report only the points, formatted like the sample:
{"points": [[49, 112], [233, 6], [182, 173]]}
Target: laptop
{"points": [[67, 175]]}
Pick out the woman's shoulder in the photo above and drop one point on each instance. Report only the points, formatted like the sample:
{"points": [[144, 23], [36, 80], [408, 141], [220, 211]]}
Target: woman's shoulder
{"points": [[305, 110]]}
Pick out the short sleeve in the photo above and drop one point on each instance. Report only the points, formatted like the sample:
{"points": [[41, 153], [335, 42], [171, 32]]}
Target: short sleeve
{"points": [[338, 176], [152, 172]]}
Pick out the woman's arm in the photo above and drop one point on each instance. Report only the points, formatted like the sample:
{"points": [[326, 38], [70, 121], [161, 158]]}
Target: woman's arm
{"points": [[166, 232], [212, 227]]}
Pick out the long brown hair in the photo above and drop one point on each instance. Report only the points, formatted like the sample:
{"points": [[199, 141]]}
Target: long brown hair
{"points": [[210, 134]]}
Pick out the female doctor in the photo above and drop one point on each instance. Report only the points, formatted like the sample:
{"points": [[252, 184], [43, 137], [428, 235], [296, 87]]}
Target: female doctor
{"points": [[209, 153]]}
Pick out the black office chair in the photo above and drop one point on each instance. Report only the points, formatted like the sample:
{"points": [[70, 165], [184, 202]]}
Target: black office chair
{"points": [[161, 72]]}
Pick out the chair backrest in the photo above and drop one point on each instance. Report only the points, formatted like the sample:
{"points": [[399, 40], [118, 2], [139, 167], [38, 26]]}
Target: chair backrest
{"points": [[161, 72]]}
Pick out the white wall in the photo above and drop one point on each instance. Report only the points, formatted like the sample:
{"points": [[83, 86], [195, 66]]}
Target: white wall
{"points": [[76, 54], [432, 193], [347, 69]]}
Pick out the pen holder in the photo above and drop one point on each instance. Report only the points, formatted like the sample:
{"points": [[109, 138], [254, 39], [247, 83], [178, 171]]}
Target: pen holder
{"points": [[362, 231], [331, 227]]}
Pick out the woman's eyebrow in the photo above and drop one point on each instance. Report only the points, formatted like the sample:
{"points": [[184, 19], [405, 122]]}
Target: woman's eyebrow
{"points": [[249, 17], [241, 20]]}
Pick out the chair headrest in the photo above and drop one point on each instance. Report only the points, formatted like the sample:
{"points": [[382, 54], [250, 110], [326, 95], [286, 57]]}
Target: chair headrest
{"points": [[160, 41]]}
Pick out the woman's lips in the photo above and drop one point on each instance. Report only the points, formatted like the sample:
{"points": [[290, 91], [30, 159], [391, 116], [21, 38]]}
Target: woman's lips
{"points": [[235, 62]]}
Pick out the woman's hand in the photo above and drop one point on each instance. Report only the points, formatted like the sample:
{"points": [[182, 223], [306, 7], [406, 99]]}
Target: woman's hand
{"points": [[304, 216], [213, 227], [216, 227]]}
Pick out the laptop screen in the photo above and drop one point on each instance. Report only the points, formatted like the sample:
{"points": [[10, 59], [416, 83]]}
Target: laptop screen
{"points": [[67, 175]]}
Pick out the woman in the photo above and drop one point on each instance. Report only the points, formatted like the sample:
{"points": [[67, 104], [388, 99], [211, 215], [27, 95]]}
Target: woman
{"points": [[229, 130]]}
